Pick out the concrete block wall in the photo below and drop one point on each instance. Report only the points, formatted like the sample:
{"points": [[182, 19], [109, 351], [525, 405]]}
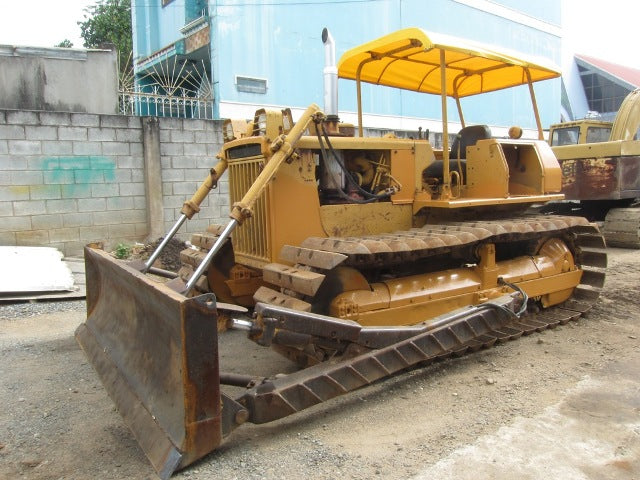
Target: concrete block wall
{"points": [[67, 179]]}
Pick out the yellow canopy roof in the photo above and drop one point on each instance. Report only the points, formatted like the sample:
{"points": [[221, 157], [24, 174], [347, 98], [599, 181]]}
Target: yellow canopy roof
{"points": [[410, 59]]}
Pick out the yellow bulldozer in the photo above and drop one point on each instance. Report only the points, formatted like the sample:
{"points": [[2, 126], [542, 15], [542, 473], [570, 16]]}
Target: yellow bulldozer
{"points": [[600, 171], [357, 258]]}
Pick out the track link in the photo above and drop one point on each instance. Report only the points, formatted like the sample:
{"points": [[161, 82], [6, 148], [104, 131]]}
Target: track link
{"points": [[276, 398]]}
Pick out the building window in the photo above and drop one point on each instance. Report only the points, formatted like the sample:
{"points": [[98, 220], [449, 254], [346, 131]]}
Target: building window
{"points": [[195, 9], [603, 95], [251, 84]]}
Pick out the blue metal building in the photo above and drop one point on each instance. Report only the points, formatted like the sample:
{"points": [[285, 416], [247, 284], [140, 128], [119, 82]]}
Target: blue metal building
{"points": [[246, 54]]}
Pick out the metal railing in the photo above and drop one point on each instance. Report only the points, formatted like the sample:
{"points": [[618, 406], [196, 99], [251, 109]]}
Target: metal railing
{"points": [[158, 105]]}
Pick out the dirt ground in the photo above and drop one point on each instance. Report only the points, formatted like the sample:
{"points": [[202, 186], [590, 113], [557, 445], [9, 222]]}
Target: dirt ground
{"points": [[561, 404]]}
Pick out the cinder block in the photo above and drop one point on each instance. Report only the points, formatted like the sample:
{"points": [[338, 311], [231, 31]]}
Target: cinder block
{"points": [[6, 209], [182, 136], [206, 162], [8, 238], [132, 189], [194, 149], [203, 137], [106, 218], [93, 233], [25, 147], [4, 147], [174, 201], [134, 121], [129, 161], [40, 132], [28, 207], [167, 123], [33, 237], [5, 178], [16, 224], [136, 149], [78, 191], [133, 216], [120, 203], [60, 177], [44, 192], [137, 175], [170, 149], [195, 175], [140, 202], [84, 176], [87, 148], [165, 136], [46, 222], [76, 220], [105, 190], [26, 177], [101, 134], [58, 147], [10, 162], [92, 204], [127, 135], [185, 188], [115, 121], [122, 231], [55, 118], [14, 193], [212, 151], [142, 230], [72, 133], [72, 249], [64, 235], [22, 117], [3, 117], [12, 132], [123, 175], [115, 148], [183, 162], [67, 205], [85, 120], [193, 124], [175, 175]]}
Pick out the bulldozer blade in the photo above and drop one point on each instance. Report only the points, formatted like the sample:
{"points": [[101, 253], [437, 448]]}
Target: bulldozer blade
{"points": [[156, 352]]}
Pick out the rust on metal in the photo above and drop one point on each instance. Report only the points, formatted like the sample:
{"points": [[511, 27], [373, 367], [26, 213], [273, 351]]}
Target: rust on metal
{"points": [[167, 387]]}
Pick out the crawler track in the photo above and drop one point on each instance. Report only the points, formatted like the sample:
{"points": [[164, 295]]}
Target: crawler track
{"points": [[483, 328]]}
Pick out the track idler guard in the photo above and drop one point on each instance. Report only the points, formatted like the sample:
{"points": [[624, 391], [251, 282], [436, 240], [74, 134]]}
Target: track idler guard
{"points": [[156, 352]]}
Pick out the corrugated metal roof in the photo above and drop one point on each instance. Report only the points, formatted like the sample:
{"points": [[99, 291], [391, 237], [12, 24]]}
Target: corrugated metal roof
{"points": [[626, 74]]}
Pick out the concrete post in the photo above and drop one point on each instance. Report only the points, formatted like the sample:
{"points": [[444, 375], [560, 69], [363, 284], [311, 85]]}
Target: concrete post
{"points": [[153, 177]]}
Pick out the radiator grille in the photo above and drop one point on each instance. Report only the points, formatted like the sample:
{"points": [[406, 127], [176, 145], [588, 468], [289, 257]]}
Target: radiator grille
{"points": [[249, 239]]}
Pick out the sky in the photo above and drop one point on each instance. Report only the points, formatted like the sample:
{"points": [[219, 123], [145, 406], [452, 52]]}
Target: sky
{"points": [[41, 23], [603, 29]]}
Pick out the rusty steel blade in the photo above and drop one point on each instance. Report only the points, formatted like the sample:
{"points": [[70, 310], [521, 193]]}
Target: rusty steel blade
{"points": [[156, 352]]}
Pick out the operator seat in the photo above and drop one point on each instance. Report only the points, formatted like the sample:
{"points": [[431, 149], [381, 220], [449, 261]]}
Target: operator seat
{"points": [[467, 137]]}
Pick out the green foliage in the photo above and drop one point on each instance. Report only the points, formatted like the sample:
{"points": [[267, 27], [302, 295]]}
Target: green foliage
{"points": [[109, 22], [66, 43], [122, 251]]}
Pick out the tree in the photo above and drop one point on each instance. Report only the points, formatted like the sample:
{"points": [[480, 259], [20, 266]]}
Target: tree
{"points": [[66, 43], [109, 22]]}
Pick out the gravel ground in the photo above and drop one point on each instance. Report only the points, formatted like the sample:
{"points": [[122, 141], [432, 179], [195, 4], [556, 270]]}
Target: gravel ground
{"points": [[561, 404], [31, 309]]}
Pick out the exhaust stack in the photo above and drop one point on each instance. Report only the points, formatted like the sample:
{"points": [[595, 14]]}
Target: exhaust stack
{"points": [[330, 74]]}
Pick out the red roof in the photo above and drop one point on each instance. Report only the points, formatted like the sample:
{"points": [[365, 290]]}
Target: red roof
{"points": [[628, 74]]}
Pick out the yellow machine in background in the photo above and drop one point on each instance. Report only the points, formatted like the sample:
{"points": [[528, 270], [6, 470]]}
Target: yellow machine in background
{"points": [[359, 256], [600, 164]]}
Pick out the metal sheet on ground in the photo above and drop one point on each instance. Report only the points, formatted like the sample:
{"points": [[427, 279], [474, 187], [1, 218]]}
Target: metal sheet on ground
{"points": [[31, 273]]}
